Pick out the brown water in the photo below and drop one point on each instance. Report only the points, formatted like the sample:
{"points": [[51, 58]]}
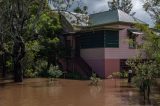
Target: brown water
{"points": [[38, 92]]}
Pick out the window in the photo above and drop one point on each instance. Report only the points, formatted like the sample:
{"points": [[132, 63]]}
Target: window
{"points": [[92, 40], [132, 34], [100, 39], [111, 39]]}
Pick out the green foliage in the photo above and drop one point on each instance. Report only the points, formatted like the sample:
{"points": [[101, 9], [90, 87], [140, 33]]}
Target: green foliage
{"points": [[48, 24], [94, 79], [30, 73], [48, 28], [146, 70], [116, 74], [151, 43], [40, 67], [9, 65], [124, 5], [122, 74], [14, 20], [45, 48], [54, 72], [32, 49], [146, 74], [39, 27], [82, 10], [157, 26]]}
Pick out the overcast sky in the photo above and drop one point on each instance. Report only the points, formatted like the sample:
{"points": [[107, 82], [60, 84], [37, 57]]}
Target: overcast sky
{"points": [[95, 6]]}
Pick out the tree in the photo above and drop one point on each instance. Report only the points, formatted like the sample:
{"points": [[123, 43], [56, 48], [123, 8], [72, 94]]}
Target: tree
{"points": [[147, 69], [124, 5], [152, 7], [80, 8], [63, 6], [15, 17], [33, 29], [157, 26], [49, 29], [44, 46]]}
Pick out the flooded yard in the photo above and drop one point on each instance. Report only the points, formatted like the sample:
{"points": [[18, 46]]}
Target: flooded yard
{"points": [[39, 92]]}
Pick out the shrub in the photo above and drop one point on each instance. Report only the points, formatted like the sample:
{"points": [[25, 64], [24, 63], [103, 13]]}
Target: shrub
{"points": [[116, 74], [54, 72], [123, 74], [40, 67], [30, 73], [94, 80]]}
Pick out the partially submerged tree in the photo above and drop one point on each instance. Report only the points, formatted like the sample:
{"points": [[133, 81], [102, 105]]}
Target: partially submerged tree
{"points": [[32, 28], [124, 5], [45, 46], [49, 28], [15, 15], [147, 64]]}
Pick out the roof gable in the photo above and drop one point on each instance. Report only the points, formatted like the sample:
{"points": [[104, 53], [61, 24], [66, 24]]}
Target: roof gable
{"points": [[112, 16]]}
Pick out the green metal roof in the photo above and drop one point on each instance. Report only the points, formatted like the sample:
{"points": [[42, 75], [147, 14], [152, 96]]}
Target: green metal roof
{"points": [[112, 16]]}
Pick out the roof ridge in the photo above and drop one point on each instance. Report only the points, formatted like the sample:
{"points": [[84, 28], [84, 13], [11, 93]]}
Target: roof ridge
{"points": [[118, 15], [103, 12]]}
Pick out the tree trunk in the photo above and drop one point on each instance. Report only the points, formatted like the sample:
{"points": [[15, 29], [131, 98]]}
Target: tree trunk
{"points": [[18, 54], [49, 64], [18, 73], [144, 94], [4, 65], [148, 92]]}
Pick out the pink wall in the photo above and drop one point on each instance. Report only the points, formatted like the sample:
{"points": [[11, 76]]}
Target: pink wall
{"points": [[123, 52], [98, 66], [111, 65], [95, 59], [92, 54]]}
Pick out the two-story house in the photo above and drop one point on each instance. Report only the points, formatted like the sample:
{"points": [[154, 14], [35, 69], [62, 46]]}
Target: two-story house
{"points": [[104, 45]]}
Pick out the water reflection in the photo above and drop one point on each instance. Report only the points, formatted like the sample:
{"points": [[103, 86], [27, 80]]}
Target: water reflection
{"points": [[40, 92], [95, 90]]}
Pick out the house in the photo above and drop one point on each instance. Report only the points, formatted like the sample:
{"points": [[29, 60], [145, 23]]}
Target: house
{"points": [[103, 45]]}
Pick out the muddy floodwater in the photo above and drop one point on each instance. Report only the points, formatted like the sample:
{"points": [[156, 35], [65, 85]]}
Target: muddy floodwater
{"points": [[39, 92]]}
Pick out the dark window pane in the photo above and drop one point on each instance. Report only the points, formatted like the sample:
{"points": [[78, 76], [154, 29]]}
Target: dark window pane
{"points": [[111, 39], [92, 39]]}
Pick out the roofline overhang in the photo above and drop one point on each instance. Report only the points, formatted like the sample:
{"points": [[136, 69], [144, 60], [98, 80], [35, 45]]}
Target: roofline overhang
{"points": [[92, 29], [118, 22]]}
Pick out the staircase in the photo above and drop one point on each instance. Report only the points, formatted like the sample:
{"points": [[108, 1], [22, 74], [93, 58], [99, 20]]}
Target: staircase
{"points": [[78, 64], [75, 62], [84, 66]]}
